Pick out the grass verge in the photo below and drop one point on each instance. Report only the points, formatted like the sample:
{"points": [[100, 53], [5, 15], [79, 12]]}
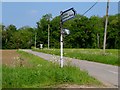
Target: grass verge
{"points": [[42, 73], [95, 55]]}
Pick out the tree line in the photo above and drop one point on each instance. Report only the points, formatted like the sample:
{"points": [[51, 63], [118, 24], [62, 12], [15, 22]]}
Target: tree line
{"points": [[84, 33]]}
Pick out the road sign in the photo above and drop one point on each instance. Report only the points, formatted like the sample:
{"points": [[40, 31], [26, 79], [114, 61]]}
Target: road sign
{"points": [[66, 31], [68, 14]]}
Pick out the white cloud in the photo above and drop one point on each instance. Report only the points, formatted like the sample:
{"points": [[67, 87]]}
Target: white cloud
{"points": [[34, 11]]}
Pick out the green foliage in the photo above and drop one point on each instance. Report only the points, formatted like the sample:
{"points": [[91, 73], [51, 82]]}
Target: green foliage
{"points": [[47, 16], [0, 36], [84, 33], [22, 38], [7, 34], [42, 73], [95, 55], [113, 32]]}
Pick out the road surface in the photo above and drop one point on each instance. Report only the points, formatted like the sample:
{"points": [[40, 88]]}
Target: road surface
{"points": [[107, 74]]}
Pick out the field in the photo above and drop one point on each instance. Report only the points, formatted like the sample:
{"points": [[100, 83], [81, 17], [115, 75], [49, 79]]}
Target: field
{"points": [[23, 70], [95, 55], [11, 58]]}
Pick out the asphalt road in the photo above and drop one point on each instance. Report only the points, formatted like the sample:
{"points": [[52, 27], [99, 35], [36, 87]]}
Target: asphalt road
{"points": [[107, 74]]}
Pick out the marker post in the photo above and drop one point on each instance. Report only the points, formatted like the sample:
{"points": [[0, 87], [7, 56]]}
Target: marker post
{"points": [[64, 16], [61, 42]]}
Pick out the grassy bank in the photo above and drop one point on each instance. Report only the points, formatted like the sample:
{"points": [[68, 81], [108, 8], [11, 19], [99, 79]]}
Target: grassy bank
{"points": [[95, 55], [41, 73]]}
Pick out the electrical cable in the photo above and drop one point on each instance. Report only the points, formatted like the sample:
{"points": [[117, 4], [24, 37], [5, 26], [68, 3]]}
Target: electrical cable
{"points": [[90, 8]]}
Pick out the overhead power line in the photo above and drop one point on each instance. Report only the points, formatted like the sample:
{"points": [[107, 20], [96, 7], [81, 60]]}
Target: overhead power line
{"points": [[90, 8]]}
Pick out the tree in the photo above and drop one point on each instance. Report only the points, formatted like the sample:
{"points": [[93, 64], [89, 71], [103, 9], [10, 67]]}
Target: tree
{"points": [[48, 17], [55, 32], [97, 28], [113, 32], [7, 34], [43, 27], [23, 38], [84, 33]]}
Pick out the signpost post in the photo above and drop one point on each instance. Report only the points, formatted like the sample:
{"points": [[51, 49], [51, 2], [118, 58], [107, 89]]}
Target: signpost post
{"points": [[61, 45], [64, 16]]}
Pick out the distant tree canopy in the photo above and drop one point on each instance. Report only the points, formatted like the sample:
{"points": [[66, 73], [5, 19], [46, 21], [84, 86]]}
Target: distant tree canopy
{"points": [[84, 33]]}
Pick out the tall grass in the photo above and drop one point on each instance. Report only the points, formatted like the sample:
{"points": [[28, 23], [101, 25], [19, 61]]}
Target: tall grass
{"points": [[42, 73], [95, 55]]}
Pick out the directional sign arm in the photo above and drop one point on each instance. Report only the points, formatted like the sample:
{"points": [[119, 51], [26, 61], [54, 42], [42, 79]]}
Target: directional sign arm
{"points": [[68, 14]]}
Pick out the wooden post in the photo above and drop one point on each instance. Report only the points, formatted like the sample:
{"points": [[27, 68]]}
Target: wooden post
{"points": [[105, 32]]}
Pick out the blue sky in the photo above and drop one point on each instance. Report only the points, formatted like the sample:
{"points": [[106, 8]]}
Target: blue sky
{"points": [[28, 13]]}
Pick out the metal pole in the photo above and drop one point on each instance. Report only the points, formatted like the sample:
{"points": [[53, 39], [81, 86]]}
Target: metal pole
{"points": [[61, 45], [104, 44], [48, 35]]}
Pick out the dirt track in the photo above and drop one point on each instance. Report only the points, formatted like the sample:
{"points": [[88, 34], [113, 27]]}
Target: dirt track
{"points": [[12, 58], [9, 57]]}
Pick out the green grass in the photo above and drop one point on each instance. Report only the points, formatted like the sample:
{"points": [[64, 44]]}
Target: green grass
{"points": [[95, 55], [42, 73]]}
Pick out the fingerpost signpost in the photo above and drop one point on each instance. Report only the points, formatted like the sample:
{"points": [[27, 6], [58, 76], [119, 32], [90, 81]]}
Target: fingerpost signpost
{"points": [[64, 16]]}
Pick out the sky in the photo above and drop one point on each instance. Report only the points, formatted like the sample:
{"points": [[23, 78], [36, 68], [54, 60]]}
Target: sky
{"points": [[28, 13]]}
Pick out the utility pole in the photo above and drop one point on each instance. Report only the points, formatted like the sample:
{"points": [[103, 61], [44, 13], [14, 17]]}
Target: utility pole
{"points": [[104, 44], [61, 43], [35, 39], [98, 41], [48, 34]]}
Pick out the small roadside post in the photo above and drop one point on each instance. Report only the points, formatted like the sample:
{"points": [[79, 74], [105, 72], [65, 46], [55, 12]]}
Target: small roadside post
{"points": [[64, 16], [41, 46]]}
